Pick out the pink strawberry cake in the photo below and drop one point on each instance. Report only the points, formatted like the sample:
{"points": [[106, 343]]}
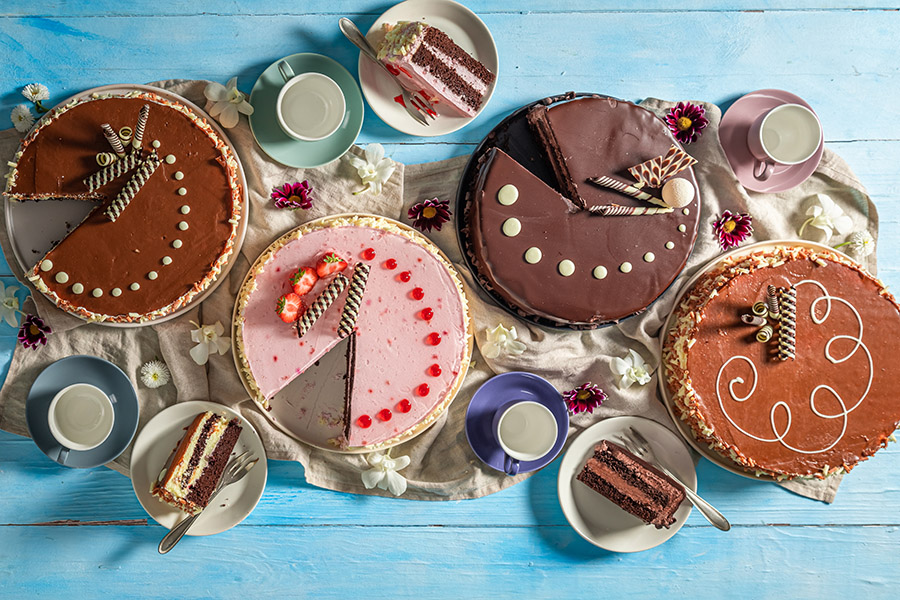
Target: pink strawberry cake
{"points": [[409, 345]]}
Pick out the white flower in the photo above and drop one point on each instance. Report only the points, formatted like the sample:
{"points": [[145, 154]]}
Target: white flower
{"points": [[209, 339], [501, 340], [630, 369], [36, 92], [9, 304], [22, 119], [383, 473], [225, 102], [374, 170], [824, 214], [861, 244], [154, 374]]}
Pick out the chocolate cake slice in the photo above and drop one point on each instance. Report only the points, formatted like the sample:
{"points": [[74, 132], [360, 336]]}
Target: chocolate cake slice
{"points": [[633, 484], [197, 464]]}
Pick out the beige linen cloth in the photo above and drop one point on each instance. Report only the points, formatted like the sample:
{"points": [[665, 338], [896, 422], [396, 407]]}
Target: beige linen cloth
{"points": [[443, 466]]}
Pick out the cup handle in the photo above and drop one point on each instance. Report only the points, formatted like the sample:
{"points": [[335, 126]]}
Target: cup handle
{"points": [[112, 398], [510, 465], [762, 170], [287, 73], [62, 456]]}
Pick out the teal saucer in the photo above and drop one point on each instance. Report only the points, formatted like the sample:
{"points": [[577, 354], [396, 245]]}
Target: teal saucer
{"points": [[291, 152]]}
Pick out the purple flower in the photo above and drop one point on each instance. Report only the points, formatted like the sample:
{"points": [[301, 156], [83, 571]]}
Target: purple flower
{"points": [[686, 121], [732, 228], [585, 397], [33, 332], [430, 214], [293, 195]]}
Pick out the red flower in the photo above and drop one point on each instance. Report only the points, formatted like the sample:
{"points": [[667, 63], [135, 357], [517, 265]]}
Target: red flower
{"points": [[293, 195], [686, 121], [584, 398], [732, 228], [430, 214], [33, 332]]}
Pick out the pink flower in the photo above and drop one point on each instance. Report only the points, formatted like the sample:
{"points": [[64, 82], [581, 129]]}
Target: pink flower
{"points": [[732, 228], [293, 195], [686, 121], [430, 214], [585, 397]]}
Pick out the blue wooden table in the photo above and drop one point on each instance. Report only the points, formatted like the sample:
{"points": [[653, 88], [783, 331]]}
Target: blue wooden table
{"points": [[70, 533]]}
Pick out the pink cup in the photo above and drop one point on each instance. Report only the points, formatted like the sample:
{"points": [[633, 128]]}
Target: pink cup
{"points": [[788, 134]]}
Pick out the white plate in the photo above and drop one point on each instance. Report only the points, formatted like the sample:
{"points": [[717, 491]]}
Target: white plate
{"points": [[683, 428], [597, 519], [463, 26], [155, 443], [34, 228]]}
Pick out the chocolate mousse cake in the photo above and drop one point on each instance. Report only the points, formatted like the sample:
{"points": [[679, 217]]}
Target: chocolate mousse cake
{"points": [[527, 230], [198, 462], [426, 59], [169, 202], [805, 390], [633, 484]]}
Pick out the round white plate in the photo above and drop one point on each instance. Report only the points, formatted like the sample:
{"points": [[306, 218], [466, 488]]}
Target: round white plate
{"points": [[598, 520], [34, 228], [683, 428], [463, 26], [155, 443]]}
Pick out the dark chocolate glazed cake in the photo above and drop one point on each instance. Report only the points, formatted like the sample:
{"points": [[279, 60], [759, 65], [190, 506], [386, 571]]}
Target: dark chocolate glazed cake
{"points": [[535, 249], [635, 485]]}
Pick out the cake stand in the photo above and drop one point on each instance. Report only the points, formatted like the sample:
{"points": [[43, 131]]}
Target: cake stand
{"points": [[36, 227]]}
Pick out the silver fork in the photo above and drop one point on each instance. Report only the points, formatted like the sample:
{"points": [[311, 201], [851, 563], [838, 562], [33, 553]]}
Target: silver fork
{"points": [[236, 468], [415, 104], [638, 444]]}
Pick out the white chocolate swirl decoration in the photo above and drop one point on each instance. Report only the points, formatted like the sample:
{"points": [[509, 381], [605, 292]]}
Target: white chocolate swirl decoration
{"points": [[787, 323], [615, 210], [139, 128], [111, 171], [780, 436], [132, 187], [656, 171], [354, 299], [321, 304], [628, 190], [113, 138]]}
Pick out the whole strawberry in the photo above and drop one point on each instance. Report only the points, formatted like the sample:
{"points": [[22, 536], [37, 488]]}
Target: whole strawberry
{"points": [[303, 280], [329, 264], [289, 307]]}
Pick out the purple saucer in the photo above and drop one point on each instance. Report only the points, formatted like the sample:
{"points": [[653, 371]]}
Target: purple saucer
{"points": [[496, 392], [733, 136]]}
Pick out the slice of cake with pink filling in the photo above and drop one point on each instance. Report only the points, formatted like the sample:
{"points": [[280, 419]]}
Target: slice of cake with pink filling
{"points": [[425, 58]]}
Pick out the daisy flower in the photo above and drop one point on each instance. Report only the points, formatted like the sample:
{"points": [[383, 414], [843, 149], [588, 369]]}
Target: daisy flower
{"points": [[731, 229], [154, 374], [686, 121], [33, 332], [860, 244], [429, 214], [584, 398], [293, 195], [22, 119]]}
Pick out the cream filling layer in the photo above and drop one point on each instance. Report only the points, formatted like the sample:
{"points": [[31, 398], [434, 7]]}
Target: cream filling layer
{"points": [[174, 483]]}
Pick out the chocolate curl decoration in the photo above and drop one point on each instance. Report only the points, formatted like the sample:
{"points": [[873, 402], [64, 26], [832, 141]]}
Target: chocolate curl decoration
{"points": [[139, 128], [656, 171], [134, 185], [754, 320], [354, 299], [111, 171], [760, 310], [113, 138], [321, 304], [787, 324], [764, 334], [614, 210], [628, 190], [772, 301]]}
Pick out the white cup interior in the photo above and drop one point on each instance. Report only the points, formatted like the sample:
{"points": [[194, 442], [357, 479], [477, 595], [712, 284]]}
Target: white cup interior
{"points": [[790, 134], [81, 416], [310, 107], [527, 430]]}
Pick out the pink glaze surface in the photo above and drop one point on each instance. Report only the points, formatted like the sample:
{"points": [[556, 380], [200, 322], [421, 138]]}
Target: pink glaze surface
{"points": [[393, 356]]}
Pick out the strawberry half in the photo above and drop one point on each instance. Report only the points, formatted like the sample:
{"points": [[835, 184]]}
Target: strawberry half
{"points": [[289, 307], [303, 280], [330, 264]]}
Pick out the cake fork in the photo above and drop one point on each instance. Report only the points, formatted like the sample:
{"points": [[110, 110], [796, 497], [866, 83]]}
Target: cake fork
{"points": [[638, 444], [415, 104], [236, 468]]}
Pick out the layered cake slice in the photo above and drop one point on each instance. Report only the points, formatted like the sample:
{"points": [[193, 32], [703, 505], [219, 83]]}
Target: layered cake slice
{"points": [[425, 58], [633, 484], [196, 466]]}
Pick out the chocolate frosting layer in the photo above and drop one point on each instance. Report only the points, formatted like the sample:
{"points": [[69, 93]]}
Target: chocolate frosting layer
{"points": [[597, 136], [140, 246]]}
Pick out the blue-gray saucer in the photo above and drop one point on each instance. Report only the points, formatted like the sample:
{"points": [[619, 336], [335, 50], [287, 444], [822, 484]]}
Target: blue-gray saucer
{"points": [[83, 369]]}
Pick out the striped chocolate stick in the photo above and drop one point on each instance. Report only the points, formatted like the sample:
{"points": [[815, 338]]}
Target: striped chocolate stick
{"points": [[132, 187], [615, 210], [111, 171], [139, 128], [354, 299], [787, 323], [113, 138], [321, 304], [627, 189]]}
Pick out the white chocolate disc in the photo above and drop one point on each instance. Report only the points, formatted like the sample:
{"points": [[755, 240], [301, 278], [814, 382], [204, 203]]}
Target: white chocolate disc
{"points": [[566, 267], [533, 255], [62, 277], [512, 227], [670, 245], [508, 194], [682, 228], [46, 264], [183, 225], [77, 288], [600, 272], [96, 292], [116, 292], [649, 257], [170, 159], [625, 267]]}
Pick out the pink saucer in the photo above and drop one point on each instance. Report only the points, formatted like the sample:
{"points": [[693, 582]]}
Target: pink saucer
{"points": [[733, 136]]}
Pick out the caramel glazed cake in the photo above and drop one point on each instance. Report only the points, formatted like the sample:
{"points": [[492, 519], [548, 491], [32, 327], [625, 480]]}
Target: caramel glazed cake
{"points": [[808, 392], [168, 197]]}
